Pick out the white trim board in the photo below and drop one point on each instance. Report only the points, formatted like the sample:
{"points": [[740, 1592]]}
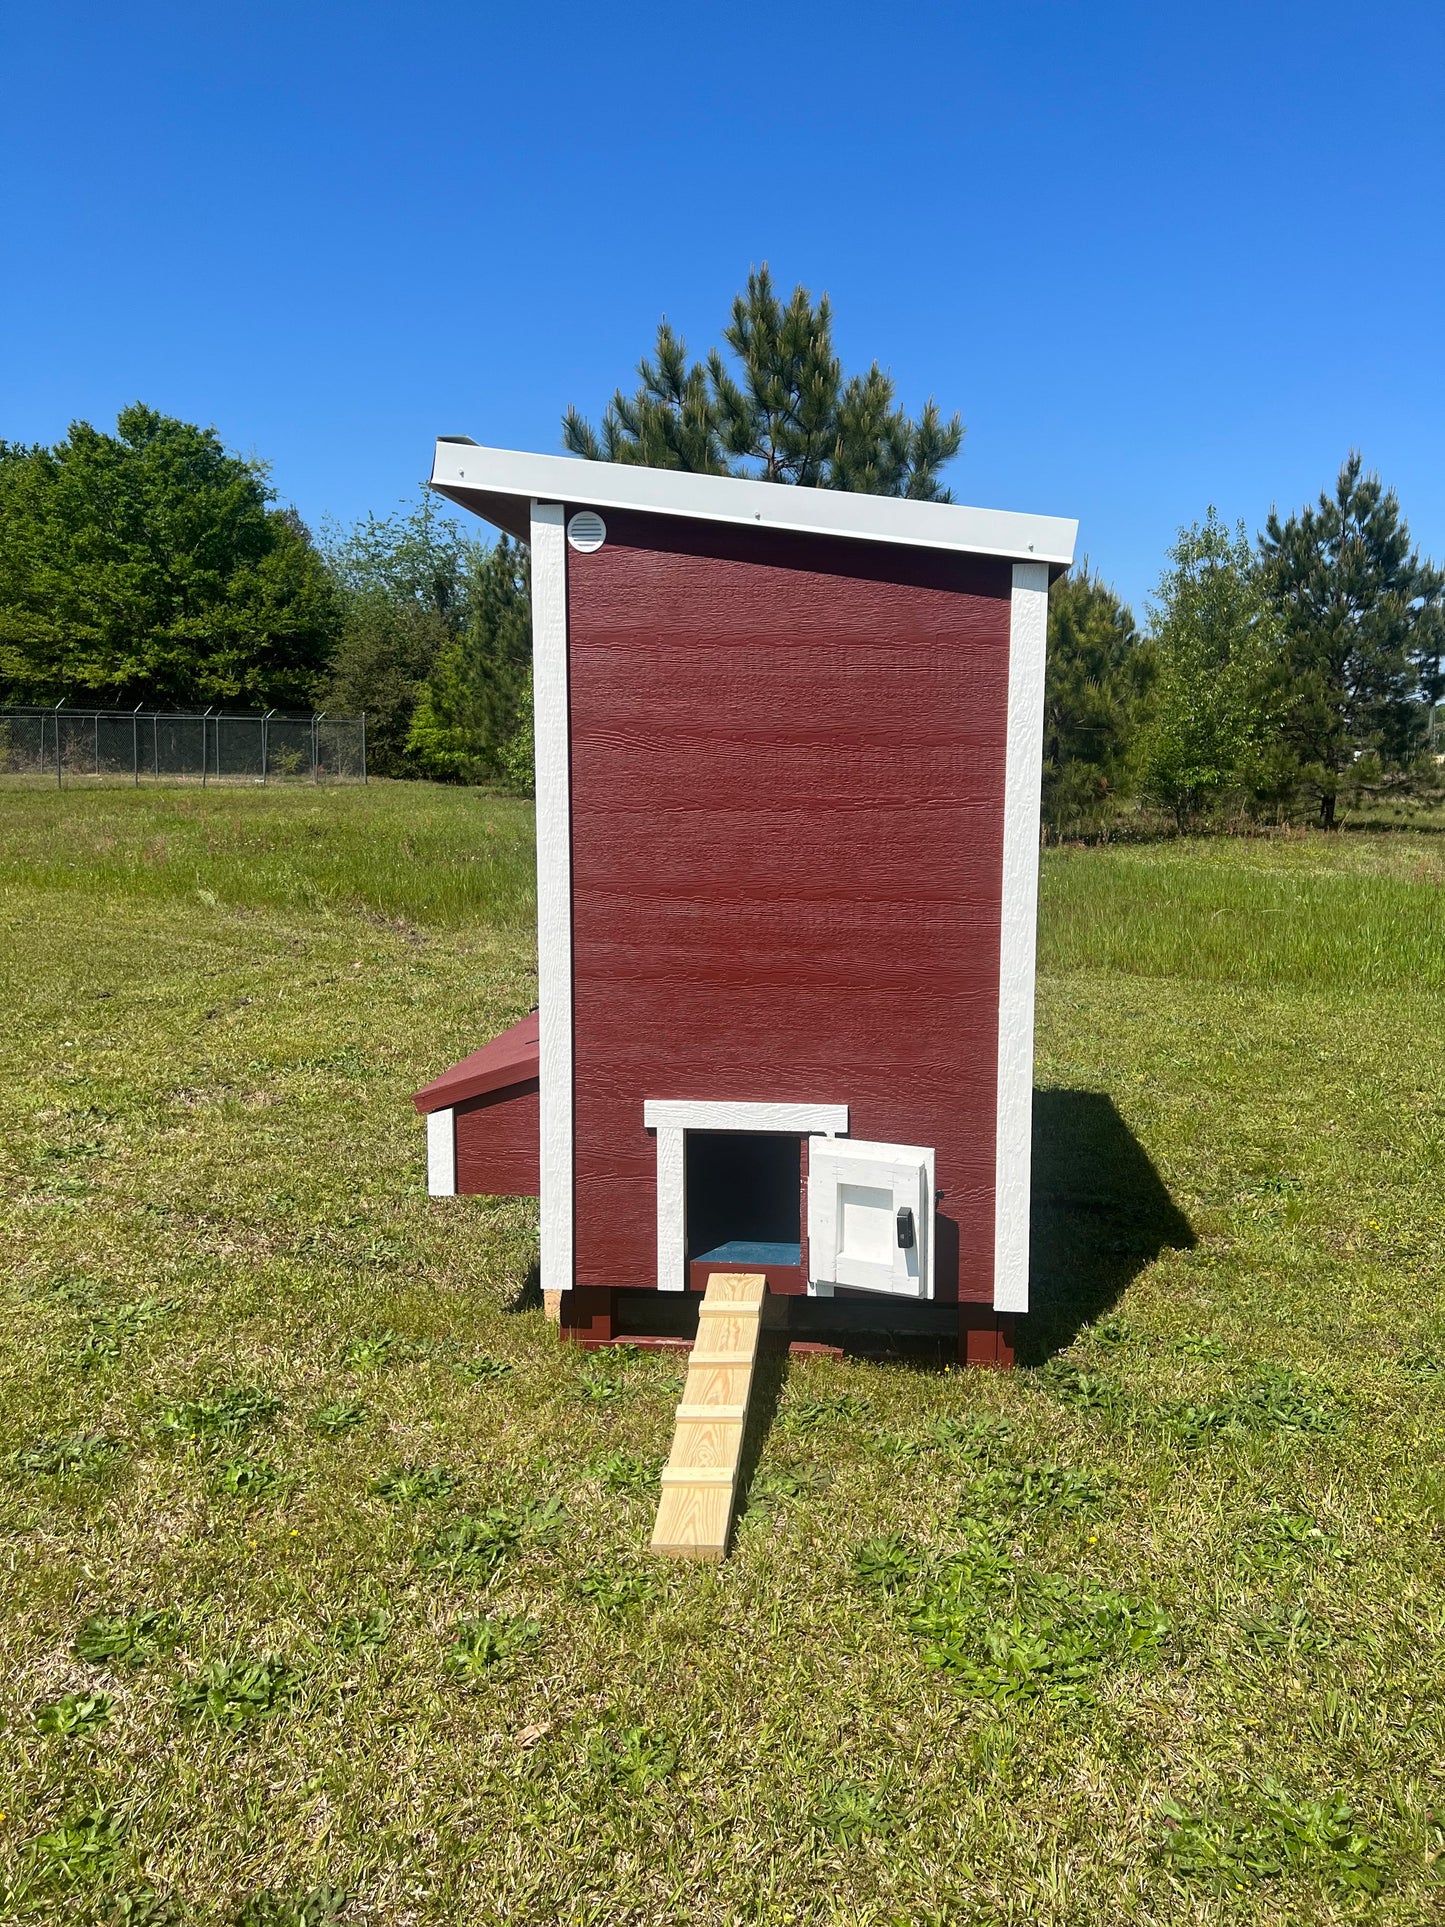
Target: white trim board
{"points": [[672, 1118], [826, 1120], [441, 1153], [554, 893], [463, 469], [1018, 935]]}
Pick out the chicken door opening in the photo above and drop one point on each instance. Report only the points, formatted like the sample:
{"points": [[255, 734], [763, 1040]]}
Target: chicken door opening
{"points": [[744, 1198]]}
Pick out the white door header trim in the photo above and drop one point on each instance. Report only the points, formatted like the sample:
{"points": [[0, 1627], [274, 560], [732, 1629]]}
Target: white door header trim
{"points": [[683, 1114]]}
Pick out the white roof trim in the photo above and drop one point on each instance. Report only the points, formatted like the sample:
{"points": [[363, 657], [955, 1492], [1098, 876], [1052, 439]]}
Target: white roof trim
{"points": [[463, 467]]}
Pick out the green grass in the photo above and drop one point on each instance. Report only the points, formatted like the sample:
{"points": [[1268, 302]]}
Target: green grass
{"points": [[1366, 914], [326, 1592], [395, 852]]}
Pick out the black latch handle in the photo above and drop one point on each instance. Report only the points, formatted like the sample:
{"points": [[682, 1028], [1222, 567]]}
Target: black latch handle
{"points": [[905, 1228]]}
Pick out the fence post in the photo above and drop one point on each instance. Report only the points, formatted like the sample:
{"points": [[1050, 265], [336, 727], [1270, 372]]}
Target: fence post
{"points": [[265, 733], [58, 783], [156, 742], [363, 745], [316, 747], [135, 746], [203, 747], [97, 742]]}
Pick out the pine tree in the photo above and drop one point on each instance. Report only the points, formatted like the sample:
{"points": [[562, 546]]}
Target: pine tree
{"points": [[1362, 617], [668, 423], [473, 717], [1100, 671], [786, 415], [783, 413]]}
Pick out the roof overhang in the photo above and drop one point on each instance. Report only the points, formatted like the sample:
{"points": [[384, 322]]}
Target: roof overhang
{"points": [[509, 1060], [499, 483]]}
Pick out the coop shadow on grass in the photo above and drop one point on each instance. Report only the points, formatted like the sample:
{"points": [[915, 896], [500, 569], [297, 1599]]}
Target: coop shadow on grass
{"points": [[528, 1295], [770, 1375], [1101, 1213]]}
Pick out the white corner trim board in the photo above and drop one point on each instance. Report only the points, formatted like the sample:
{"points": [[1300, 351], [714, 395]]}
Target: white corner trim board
{"points": [[1018, 937], [554, 891], [672, 1118], [462, 469], [441, 1153]]}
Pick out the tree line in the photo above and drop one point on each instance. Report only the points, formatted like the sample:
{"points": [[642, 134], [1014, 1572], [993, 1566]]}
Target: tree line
{"points": [[1276, 679], [151, 567]]}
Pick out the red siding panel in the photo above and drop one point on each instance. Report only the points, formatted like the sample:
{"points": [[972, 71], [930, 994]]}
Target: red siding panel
{"points": [[787, 784], [499, 1142]]}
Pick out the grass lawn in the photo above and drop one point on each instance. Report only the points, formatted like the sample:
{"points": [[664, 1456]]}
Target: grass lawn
{"points": [[325, 1586]]}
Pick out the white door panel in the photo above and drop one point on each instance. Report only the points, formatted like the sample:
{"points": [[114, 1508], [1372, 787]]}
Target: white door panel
{"points": [[870, 1217], [865, 1224]]}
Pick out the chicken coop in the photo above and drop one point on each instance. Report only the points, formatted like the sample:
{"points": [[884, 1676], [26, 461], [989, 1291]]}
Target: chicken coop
{"points": [[788, 747]]}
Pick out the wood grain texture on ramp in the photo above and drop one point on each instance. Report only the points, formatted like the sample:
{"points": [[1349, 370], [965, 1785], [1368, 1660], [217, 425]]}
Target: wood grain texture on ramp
{"points": [[699, 1481]]}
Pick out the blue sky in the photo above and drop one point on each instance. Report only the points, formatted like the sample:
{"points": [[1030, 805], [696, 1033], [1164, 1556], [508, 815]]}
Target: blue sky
{"points": [[1157, 256]]}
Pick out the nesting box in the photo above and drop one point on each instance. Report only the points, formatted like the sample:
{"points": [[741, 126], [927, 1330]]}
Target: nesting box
{"points": [[788, 750]]}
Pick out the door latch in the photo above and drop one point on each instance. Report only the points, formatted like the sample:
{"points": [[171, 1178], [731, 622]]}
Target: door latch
{"points": [[905, 1228]]}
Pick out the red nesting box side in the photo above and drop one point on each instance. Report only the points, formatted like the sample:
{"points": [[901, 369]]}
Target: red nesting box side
{"points": [[496, 1119]]}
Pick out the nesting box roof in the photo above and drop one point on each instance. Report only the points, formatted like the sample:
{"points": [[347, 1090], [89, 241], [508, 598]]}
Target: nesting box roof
{"points": [[508, 1060], [500, 483]]}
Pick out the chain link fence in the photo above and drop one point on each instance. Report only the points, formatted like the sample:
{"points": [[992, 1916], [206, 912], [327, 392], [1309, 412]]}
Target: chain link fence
{"points": [[63, 745]]}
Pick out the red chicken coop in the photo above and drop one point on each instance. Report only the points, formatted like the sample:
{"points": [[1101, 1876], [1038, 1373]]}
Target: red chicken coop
{"points": [[788, 747]]}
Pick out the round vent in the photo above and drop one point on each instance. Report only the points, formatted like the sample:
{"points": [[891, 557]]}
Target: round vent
{"points": [[586, 531]]}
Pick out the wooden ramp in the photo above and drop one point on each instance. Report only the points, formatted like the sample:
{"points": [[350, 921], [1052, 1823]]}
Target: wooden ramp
{"points": [[700, 1479]]}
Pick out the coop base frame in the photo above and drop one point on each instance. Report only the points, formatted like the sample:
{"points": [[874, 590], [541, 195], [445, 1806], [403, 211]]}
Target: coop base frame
{"points": [[595, 1316]]}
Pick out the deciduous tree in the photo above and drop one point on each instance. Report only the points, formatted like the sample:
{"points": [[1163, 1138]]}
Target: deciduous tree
{"points": [[1217, 693], [404, 582], [436, 646], [149, 566]]}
